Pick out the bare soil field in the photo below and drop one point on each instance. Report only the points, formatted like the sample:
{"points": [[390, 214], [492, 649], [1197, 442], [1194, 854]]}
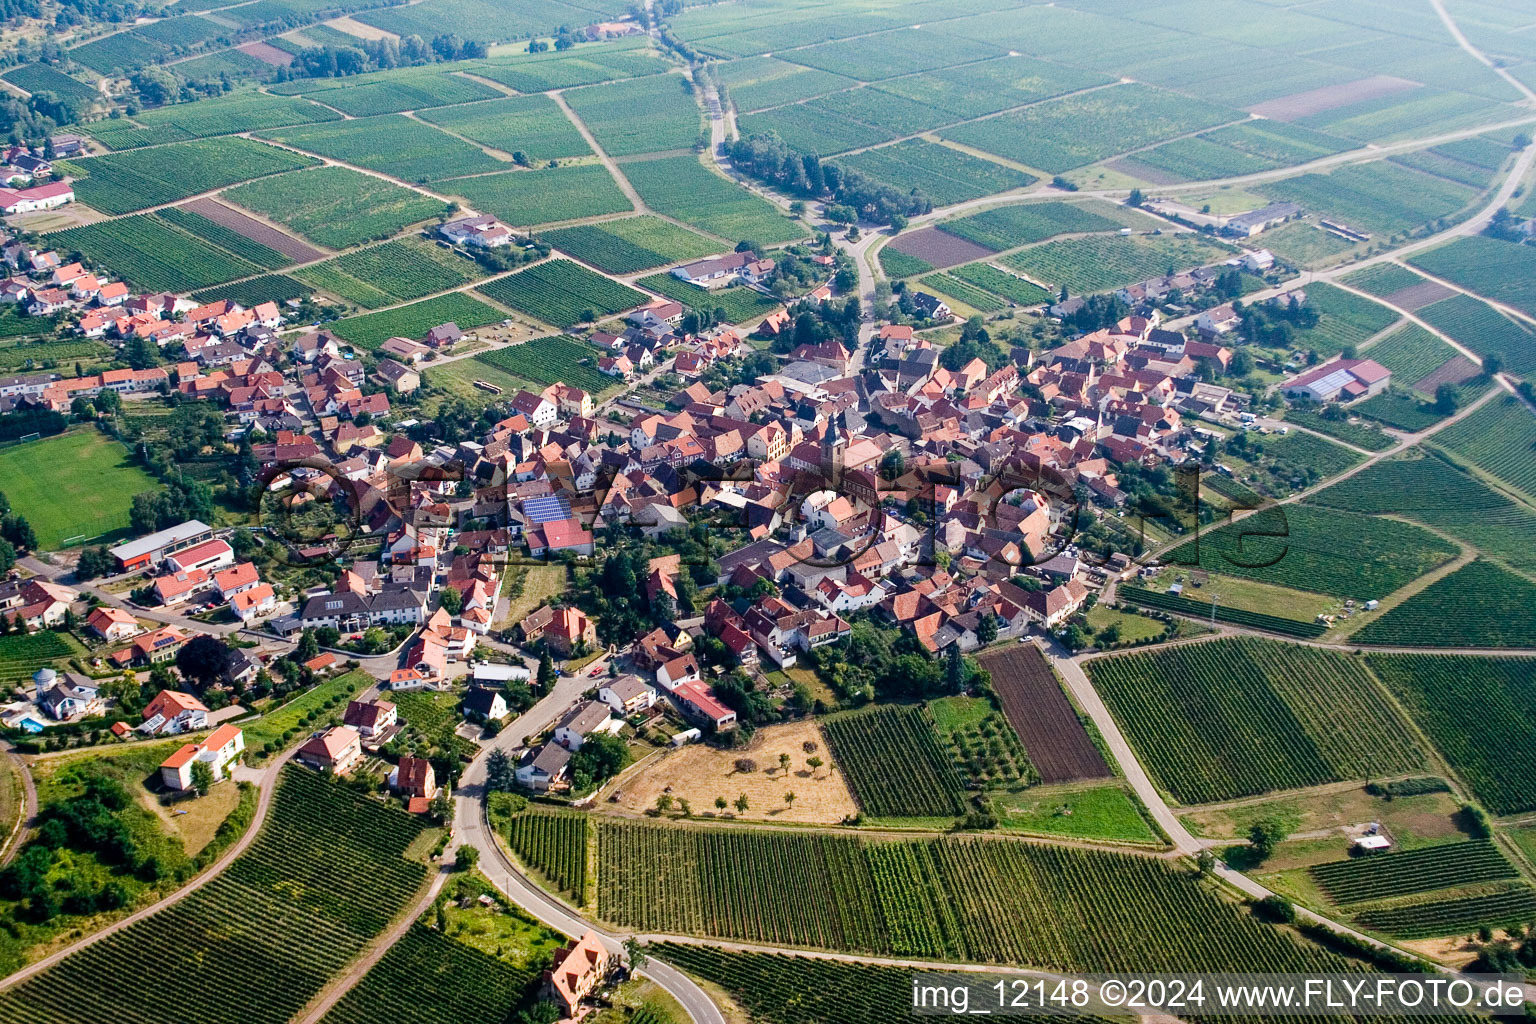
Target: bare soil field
{"points": [[1153, 175], [699, 774], [254, 229], [1040, 713], [1452, 371], [1414, 296], [357, 28], [1315, 101], [939, 248], [268, 53]]}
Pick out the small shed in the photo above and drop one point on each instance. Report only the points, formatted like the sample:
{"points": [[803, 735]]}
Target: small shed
{"points": [[1372, 844]]}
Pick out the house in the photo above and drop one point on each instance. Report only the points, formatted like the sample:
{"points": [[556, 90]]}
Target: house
{"points": [[218, 751], [570, 629], [41, 197], [252, 604], [154, 648], [577, 969], [172, 712], [370, 718], [930, 307], [1246, 225], [153, 548], [235, 579], [112, 623], [335, 750], [1342, 380], [627, 695], [580, 722], [715, 272], [699, 702], [674, 673], [405, 350], [398, 376], [484, 705], [444, 335], [72, 696], [414, 777], [1218, 320], [546, 769], [484, 232]]}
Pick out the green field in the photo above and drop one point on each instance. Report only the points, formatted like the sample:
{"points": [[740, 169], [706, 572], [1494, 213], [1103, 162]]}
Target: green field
{"points": [[391, 144], [532, 125], [1007, 227], [153, 254], [1062, 134], [21, 655], [1241, 149], [336, 206], [36, 78], [256, 290], [289, 723], [944, 175], [639, 115], [1500, 440], [1446, 866], [414, 321], [1478, 605], [415, 90], [80, 482], [1000, 282], [738, 302], [898, 264], [1484, 330], [1383, 279], [979, 299], [1362, 435], [1103, 262], [1501, 271], [1480, 713], [759, 82], [124, 182], [1343, 319], [1381, 198], [632, 244], [563, 293], [985, 87], [683, 188], [1411, 353], [1507, 908], [1095, 813], [894, 764], [541, 72], [226, 115], [1236, 717], [230, 241], [543, 361], [384, 274], [527, 198]]}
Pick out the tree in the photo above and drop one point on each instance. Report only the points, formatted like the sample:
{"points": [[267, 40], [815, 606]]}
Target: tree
{"points": [[815, 764], [500, 773], [19, 532], [1276, 909], [789, 798], [465, 857], [954, 669], [451, 600], [1206, 862], [720, 803], [784, 763], [1135, 199], [664, 803], [634, 952], [600, 757], [741, 804], [1492, 365], [94, 563], [986, 632], [1264, 835], [202, 660], [202, 777], [308, 646], [745, 765], [546, 675], [1447, 399]]}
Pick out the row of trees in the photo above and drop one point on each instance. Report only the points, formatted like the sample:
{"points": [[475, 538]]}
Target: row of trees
{"points": [[769, 158]]}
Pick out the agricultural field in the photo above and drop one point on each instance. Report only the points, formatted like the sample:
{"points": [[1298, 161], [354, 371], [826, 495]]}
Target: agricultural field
{"points": [[1499, 439], [1180, 605], [225, 115], [1383, 279], [1104, 813], [243, 226], [978, 89], [1478, 605], [1007, 227], [23, 654], [371, 330], [1501, 271], [428, 978], [350, 849], [738, 302], [563, 293], [1432, 161], [79, 483], [639, 115], [1411, 353], [812, 128], [542, 72], [632, 244], [759, 82], [1381, 198], [1484, 330], [898, 264], [417, 90], [532, 125], [151, 253], [1103, 262], [1446, 866], [335, 206], [1049, 726], [1506, 908], [243, 246], [285, 724], [1000, 282], [888, 54], [255, 290], [894, 763], [543, 361], [554, 843], [16, 356], [937, 247], [390, 272], [528, 198], [1344, 319], [391, 144], [944, 175], [1282, 465], [951, 898], [985, 749], [1236, 717], [685, 189], [978, 299], [125, 182], [1405, 410], [1360, 434], [1241, 149], [1306, 245], [35, 78], [1059, 135], [1326, 551]]}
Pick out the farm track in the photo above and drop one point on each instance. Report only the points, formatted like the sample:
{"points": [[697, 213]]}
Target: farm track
{"points": [[26, 813]]}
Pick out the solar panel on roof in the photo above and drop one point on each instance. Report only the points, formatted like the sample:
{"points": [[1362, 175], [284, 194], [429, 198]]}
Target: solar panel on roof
{"points": [[547, 508]]}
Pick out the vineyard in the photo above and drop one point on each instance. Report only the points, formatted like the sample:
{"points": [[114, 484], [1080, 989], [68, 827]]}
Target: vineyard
{"points": [[894, 764], [124, 182], [247, 249], [1383, 279], [242, 225], [255, 290], [1484, 330], [1383, 876], [335, 206], [545, 196], [738, 302], [1499, 270], [950, 898], [390, 272], [1034, 704], [1411, 353], [985, 749], [562, 71], [631, 245], [226, 115], [428, 978], [1478, 605], [532, 125], [760, 82], [1378, 197], [1181, 605], [683, 188], [325, 875], [1343, 319], [944, 175], [415, 320], [978, 299], [554, 843], [639, 115], [985, 87], [1000, 282], [1480, 713], [1102, 262], [1361, 435], [152, 253], [543, 361], [1007, 227], [1326, 551], [22, 655], [1503, 909], [1500, 439], [42, 78], [419, 91], [562, 293], [898, 264], [392, 144], [1237, 717]]}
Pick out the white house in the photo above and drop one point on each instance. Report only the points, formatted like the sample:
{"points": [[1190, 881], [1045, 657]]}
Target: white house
{"points": [[208, 556], [218, 751], [627, 695], [678, 671], [580, 722], [545, 769]]}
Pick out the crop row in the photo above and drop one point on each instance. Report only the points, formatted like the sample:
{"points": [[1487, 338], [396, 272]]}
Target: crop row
{"points": [[124, 182], [543, 361], [894, 763], [977, 298], [683, 188], [151, 253], [1383, 876], [335, 206], [532, 125], [1479, 605], [391, 144], [247, 249], [1361, 435], [1223, 613], [1506, 908], [1500, 439], [554, 842], [1099, 263], [429, 978], [946, 176], [562, 293], [1000, 282]]}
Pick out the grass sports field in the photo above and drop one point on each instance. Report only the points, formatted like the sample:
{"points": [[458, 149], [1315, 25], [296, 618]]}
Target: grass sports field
{"points": [[76, 483]]}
